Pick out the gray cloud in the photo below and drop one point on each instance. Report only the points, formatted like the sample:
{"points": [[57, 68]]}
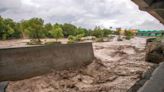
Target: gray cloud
{"points": [[9, 4], [150, 25], [86, 13]]}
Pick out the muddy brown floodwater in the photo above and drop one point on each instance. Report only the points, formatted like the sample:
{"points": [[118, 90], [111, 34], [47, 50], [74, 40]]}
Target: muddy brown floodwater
{"points": [[117, 67]]}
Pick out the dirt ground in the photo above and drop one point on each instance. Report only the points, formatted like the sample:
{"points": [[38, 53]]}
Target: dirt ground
{"points": [[117, 67], [23, 42]]}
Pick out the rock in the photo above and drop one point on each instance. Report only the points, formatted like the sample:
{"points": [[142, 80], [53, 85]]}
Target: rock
{"points": [[155, 52]]}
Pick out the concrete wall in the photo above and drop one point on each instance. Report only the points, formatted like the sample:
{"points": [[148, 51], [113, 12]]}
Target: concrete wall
{"points": [[26, 62], [156, 82], [144, 78]]}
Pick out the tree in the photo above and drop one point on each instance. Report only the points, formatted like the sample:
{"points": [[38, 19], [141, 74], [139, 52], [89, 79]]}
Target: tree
{"points": [[2, 30], [107, 32], [86, 32], [129, 34], [98, 32], [69, 29], [35, 28], [23, 26], [80, 31], [47, 28], [57, 32], [8, 29], [17, 32]]}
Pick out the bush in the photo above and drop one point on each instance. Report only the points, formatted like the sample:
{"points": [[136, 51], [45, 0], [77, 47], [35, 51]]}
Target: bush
{"points": [[99, 40], [70, 37], [78, 37], [70, 42], [57, 32], [34, 42], [128, 34], [73, 39]]}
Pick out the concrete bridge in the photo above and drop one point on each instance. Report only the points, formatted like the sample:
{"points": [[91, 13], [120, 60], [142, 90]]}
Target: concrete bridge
{"points": [[155, 33]]}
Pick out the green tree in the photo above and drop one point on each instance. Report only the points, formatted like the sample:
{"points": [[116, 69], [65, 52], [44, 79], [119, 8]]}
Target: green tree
{"points": [[17, 32], [80, 31], [98, 32], [107, 32], [35, 29], [23, 26], [47, 28], [8, 29], [57, 32], [2, 28], [128, 34], [69, 29]]}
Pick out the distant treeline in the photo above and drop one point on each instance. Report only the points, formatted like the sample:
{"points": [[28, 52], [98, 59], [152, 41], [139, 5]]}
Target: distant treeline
{"points": [[35, 28]]}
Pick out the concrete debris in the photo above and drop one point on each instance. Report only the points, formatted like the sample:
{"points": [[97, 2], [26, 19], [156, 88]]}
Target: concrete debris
{"points": [[155, 52]]}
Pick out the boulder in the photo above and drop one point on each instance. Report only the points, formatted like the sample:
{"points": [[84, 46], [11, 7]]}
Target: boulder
{"points": [[155, 52]]}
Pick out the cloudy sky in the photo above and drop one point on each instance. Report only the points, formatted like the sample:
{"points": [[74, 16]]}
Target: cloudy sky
{"points": [[85, 13]]}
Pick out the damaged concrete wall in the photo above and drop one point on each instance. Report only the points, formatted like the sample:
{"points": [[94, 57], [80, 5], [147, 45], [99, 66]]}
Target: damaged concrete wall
{"points": [[26, 62]]}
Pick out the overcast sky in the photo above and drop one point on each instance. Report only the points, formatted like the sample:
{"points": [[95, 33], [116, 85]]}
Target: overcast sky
{"points": [[85, 13]]}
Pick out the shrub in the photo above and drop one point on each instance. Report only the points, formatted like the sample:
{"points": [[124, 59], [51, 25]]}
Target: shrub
{"points": [[78, 37], [128, 34], [34, 42], [71, 41], [99, 40], [57, 32], [70, 37]]}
